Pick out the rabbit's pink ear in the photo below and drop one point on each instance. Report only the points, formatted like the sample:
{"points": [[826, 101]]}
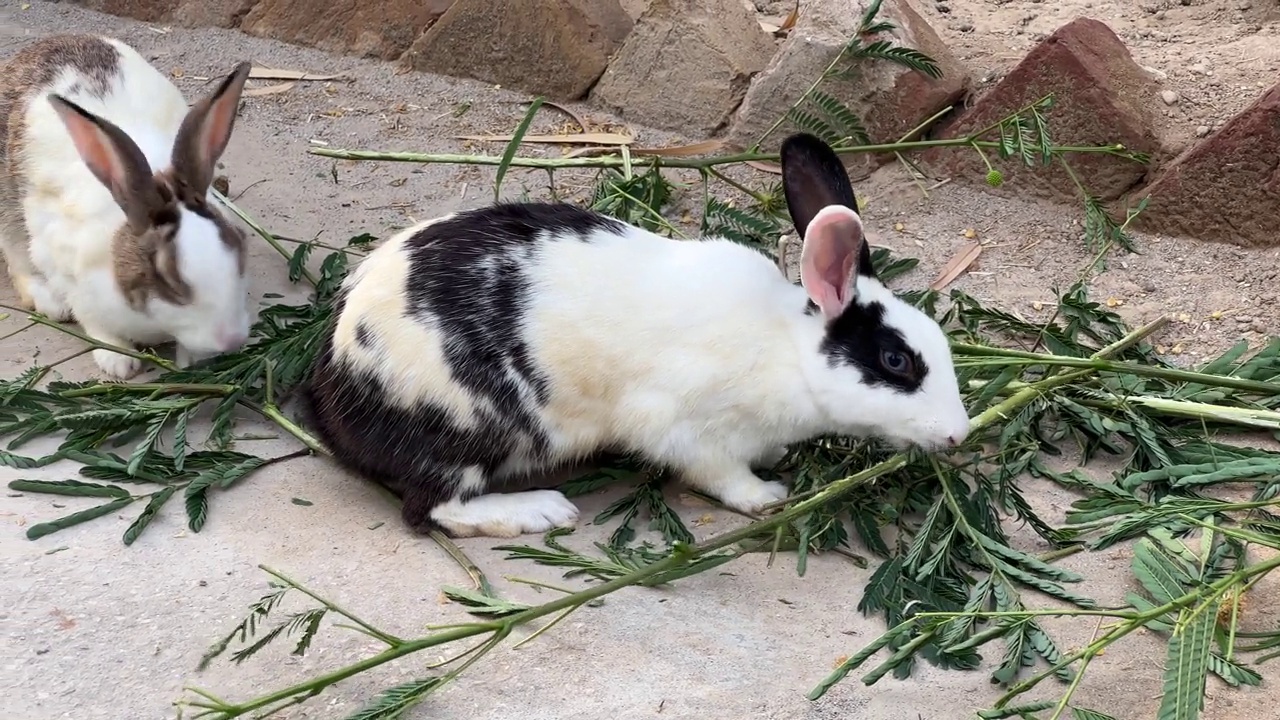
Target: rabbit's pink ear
{"points": [[206, 130], [113, 158], [829, 258]]}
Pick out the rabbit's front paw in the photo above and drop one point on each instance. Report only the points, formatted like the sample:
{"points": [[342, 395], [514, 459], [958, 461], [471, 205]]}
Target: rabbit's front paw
{"points": [[750, 494], [116, 366]]}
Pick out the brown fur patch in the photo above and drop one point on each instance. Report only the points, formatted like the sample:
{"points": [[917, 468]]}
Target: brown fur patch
{"points": [[146, 263], [36, 65]]}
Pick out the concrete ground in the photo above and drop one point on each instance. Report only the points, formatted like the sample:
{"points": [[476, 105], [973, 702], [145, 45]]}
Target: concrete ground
{"points": [[91, 629]]}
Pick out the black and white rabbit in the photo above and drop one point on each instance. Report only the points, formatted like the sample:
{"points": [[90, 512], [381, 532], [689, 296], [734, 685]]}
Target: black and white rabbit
{"points": [[512, 340]]}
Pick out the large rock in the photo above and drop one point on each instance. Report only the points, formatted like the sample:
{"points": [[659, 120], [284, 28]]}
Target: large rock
{"points": [[686, 65], [556, 48], [1101, 97], [184, 13], [1226, 188], [635, 8], [888, 98], [383, 29]]}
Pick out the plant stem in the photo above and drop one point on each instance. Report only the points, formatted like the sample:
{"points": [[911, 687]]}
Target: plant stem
{"points": [[1227, 414], [452, 550], [261, 232], [390, 640], [758, 197], [272, 413], [412, 646], [1124, 368], [154, 388], [1075, 680], [39, 319], [681, 556], [19, 331], [617, 161]]}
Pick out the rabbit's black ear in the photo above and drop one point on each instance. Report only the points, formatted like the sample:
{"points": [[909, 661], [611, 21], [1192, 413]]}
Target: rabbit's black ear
{"points": [[813, 178]]}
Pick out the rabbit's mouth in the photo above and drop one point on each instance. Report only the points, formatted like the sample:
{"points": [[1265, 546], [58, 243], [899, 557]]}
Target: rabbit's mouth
{"points": [[929, 447]]}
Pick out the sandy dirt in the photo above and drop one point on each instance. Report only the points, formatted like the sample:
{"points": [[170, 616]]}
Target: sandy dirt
{"points": [[90, 629]]}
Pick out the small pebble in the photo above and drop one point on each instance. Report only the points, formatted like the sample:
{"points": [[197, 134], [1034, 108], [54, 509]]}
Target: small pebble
{"points": [[1169, 97], [1202, 131]]}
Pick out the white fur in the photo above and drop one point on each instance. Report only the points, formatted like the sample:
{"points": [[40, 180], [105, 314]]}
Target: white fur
{"points": [[506, 514], [414, 352], [72, 217], [696, 354]]}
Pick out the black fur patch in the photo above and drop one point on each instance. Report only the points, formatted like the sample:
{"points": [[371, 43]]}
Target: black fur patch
{"points": [[364, 336], [860, 338], [418, 454], [466, 278], [466, 275], [866, 268]]}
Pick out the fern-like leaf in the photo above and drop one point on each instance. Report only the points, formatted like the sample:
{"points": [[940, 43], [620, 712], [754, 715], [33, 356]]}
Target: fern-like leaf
{"points": [[1186, 667], [393, 702], [1234, 674], [17, 462], [1078, 713], [158, 499], [480, 604], [248, 627], [904, 56], [197, 506], [844, 121]]}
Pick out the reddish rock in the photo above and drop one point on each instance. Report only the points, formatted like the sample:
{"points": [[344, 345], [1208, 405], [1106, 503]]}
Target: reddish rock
{"points": [[1226, 188], [686, 65], [889, 99], [556, 48], [371, 29], [1101, 97], [184, 13]]}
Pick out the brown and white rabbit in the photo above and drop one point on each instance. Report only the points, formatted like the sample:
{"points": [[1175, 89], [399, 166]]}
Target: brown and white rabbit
{"points": [[510, 340], [105, 210]]}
